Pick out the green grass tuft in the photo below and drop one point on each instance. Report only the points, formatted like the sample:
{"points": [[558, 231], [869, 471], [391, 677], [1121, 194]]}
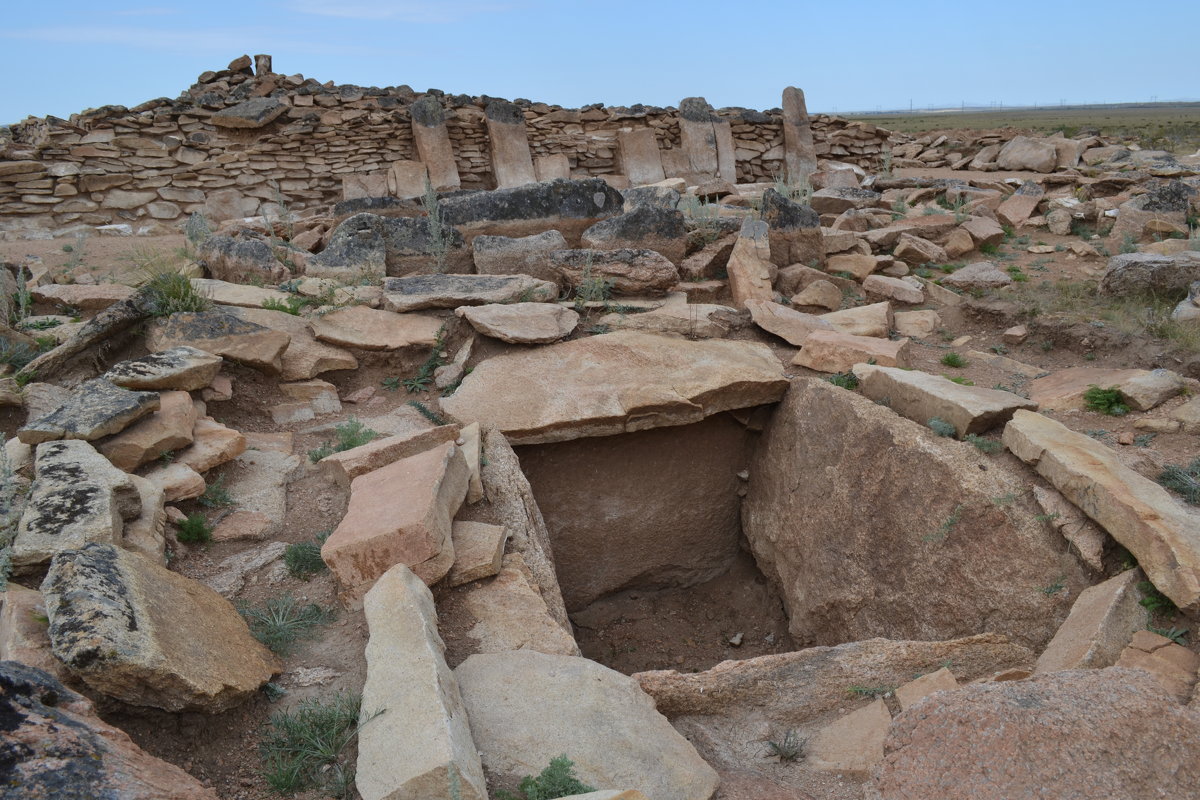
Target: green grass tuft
{"points": [[350, 434], [303, 559], [304, 748], [954, 360], [173, 293], [942, 428], [1106, 401], [1184, 481], [846, 380], [282, 621], [194, 530], [556, 780]]}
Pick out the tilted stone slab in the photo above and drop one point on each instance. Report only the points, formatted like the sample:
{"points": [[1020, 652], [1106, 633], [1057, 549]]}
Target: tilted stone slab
{"points": [[399, 514], [163, 431], [223, 334], [420, 745], [254, 113], [96, 409], [834, 351], [432, 139], [304, 357], [184, 368], [921, 396], [147, 636], [615, 383], [417, 292], [373, 329], [786, 323], [527, 707], [77, 497], [347, 465], [1102, 621], [1138, 513], [521, 323], [512, 163], [510, 614]]}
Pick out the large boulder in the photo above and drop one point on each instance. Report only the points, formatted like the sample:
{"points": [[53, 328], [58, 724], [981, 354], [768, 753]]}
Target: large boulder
{"points": [[645, 227], [567, 206], [1159, 532], [614, 383], [527, 708], [1134, 273], [369, 244], [420, 744], [626, 271], [794, 231], [1080, 733], [57, 748], [399, 514], [647, 509], [78, 497], [872, 526], [1024, 153], [95, 409], [525, 255], [147, 636]]}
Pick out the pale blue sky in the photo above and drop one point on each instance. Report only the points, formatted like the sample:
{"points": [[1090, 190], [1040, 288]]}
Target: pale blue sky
{"points": [[64, 57]]}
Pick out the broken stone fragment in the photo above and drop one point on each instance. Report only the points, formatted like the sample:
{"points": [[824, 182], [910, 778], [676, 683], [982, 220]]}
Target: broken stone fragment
{"points": [[871, 320], [510, 614], [221, 333], [980, 275], [399, 514], [183, 368], [921, 396], [178, 481], [253, 113], [347, 465], [792, 326], [625, 271], [417, 292], [853, 743], [78, 497], [1172, 665], [167, 429], [304, 357], [147, 636], [521, 323], [60, 748], [1102, 621], [835, 351], [527, 708], [478, 551], [420, 744], [95, 409], [212, 444]]}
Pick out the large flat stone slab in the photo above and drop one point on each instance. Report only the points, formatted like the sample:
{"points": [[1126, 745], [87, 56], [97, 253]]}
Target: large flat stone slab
{"points": [[420, 744], [526, 708], [372, 329], [521, 323], [416, 292], [1065, 388], [1138, 513], [221, 333], [399, 514], [95, 409], [77, 497], [921, 396], [614, 383], [183, 368], [147, 636]]}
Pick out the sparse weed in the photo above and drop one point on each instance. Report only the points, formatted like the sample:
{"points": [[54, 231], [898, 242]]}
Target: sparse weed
{"points": [[788, 749], [1106, 401], [845, 380], [1184, 481], [948, 524], [392, 383], [303, 748], [439, 235], [291, 305], [216, 495], [350, 434], [874, 692], [281, 621], [1054, 588], [556, 780], [194, 530], [1176, 635], [303, 559], [942, 428], [953, 360], [428, 413], [172, 293], [983, 444], [1155, 601]]}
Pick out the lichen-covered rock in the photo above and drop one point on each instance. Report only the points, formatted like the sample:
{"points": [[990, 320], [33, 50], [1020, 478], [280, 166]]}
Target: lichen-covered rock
{"points": [[219, 332], [369, 243], [417, 292], [627, 271], [241, 259], [183, 368], [1133, 273], [794, 231], [96, 409], [525, 255], [645, 227], [148, 636], [253, 113], [77, 497], [568, 206], [57, 748]]}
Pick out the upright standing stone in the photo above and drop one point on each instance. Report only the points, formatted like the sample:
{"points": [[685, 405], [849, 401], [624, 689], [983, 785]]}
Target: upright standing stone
{"points": [[726, 151], [433, 143], [512, 163], [698, 137], [750, 269], [799, 154], [552, 167], [420, 745], [406, 179], [640, 160], [262, 65]]}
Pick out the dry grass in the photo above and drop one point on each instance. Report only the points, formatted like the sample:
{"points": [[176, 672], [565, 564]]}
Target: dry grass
{"points": [[1080, 301]]}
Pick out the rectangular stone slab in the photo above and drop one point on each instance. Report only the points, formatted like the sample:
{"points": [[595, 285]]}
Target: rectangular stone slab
{"points": [[921, 396], [1138, 513]]}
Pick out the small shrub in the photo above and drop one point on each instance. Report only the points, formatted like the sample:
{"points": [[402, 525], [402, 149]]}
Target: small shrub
{"points": [[196, 229], [788, 749], [942, 428], [16, 355], [1184, 481], [303, 748], [1176, 635], [291, 305], [194, 530], [303, 559], [1128, 244], [281, 621], [392, 383], [215, 494], [1106, 401], [350, 434], [424, 377], [1054, 588], [556, 780], [989, 248], [846, 380], [1155, 601], [172, 293], [954, 360], [983, 444]]}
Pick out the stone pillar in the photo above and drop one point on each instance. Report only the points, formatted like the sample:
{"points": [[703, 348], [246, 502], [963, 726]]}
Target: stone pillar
{"points": [[799, 154], [433, 143], [726, 155], [262, 65], [697, 136], [640, 159], [550, 167], [512, 163]]}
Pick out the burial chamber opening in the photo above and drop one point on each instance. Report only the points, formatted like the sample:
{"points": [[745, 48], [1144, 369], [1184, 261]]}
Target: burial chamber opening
{"points": [[824, 519], [648, 545]]}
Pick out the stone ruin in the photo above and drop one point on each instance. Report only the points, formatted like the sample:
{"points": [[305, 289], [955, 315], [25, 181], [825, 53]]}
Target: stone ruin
{"points": [[615, 324]]}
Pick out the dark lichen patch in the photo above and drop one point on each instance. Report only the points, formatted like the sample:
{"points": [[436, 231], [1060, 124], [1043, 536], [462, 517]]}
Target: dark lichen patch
{"points": [[572, 199], [91, 612]]}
